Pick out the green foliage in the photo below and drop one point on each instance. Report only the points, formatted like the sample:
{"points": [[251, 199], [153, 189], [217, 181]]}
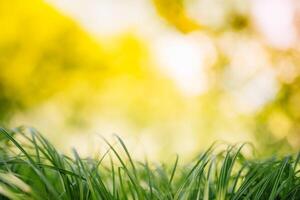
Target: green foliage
{"points": [[31, 168]]}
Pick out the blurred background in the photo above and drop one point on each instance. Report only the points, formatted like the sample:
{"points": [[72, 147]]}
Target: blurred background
{"points": [[168, 76]]}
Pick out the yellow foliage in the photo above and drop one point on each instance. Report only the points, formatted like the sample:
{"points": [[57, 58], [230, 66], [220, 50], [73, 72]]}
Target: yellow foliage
{"points": [[174, 13], [45, 54]]}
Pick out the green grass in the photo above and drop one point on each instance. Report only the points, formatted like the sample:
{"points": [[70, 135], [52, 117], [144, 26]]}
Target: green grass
{"points": [[31, 168]]}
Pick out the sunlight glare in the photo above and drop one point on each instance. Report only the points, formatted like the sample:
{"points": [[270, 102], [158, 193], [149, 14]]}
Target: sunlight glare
{"points": [[184, 58], [275, 19]]}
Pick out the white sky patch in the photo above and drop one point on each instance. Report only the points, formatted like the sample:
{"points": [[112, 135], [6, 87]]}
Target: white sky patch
{"points": [[211, 12], [247, 57], [111, 17], [183, 58], [275, 19], [250, 78], [259, 90]]}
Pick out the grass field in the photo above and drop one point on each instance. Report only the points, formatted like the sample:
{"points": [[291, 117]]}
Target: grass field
{"points": [[31, 168]]}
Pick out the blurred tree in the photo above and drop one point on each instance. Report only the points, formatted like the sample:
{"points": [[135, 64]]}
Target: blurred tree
{"points": [[277, 122], [175, 14], [40, 50], [46, 56]]}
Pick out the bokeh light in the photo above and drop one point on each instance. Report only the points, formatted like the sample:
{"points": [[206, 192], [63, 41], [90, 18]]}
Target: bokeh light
{"points": [[167, 76]]}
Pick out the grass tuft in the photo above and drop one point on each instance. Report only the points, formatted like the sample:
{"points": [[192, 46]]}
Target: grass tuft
{"points": [[31, 168]]}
